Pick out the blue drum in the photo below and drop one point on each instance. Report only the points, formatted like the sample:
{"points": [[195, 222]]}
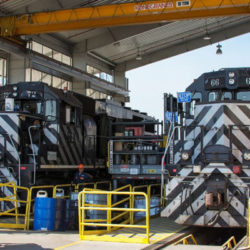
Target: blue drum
{"points": [[44, 214]]}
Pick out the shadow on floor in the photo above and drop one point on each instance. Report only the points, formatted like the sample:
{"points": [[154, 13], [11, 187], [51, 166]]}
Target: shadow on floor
{"points": [[2, 231], [11, 246]]}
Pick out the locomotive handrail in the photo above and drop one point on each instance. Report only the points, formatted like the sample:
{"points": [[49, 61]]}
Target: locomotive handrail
{"points": [[19, 160], [170, 137], [33, 153]]}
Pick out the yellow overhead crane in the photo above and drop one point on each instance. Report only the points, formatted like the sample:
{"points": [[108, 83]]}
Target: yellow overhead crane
{"points": [[119, 14]]}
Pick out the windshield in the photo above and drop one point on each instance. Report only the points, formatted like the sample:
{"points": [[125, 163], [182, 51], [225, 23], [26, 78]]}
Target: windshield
{"points": [[219, 96], [243, 96], [32, 107]]}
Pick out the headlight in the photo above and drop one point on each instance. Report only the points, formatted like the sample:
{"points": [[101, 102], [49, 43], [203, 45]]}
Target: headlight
{"points": [[231, 74], [231, 81], [185, 156], [246, 156]]}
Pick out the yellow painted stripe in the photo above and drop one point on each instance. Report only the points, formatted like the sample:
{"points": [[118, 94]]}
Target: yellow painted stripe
{"points": [[68, 245]]}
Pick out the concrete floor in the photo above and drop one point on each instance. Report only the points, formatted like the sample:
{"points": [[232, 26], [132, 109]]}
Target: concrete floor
{"points": [[193, 247], [32, 240]]}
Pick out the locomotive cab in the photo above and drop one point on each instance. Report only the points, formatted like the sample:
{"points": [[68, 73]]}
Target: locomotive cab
{"points": [[40, 126]]}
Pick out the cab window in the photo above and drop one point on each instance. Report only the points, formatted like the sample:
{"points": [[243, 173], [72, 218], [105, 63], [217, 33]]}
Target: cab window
{"points": [[33, 107], [219, 96], [70, 113], [50, 110], [226, 96], [243, 96], [196, 98], [213, 96]]}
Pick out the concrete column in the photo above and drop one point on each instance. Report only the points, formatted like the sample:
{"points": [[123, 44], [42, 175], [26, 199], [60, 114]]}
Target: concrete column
{"points": [[120, 79], [16, 69], [79, 61]]}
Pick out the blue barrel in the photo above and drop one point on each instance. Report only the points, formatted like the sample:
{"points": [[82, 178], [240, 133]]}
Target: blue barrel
{"points": [[44, 214], [72, 212], [60, 216]]}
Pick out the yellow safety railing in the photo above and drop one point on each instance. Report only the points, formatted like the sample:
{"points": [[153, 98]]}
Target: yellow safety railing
{"points": [[94, 185], [118, 215], [148, 189], [67, 188], [100, 184], [81, 186], [52, 192], [110, 209], [128, 216], [30, 198], [21, 219], [230, 243], [186, 240]]}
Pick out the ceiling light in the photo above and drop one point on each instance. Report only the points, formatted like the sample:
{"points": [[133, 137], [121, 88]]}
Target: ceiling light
{"points": [[138, 57], [207, 37], [219, 51]]}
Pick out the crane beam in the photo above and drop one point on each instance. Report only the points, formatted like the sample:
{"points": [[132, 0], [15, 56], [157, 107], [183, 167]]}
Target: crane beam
{"points": [[120, 14]]}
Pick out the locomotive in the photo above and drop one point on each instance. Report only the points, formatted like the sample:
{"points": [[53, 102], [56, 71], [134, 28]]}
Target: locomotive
{"points": [[46, 132], [207, 168]]}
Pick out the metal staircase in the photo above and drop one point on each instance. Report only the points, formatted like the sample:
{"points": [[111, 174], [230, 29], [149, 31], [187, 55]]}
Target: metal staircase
{"points": [[7, 174]]}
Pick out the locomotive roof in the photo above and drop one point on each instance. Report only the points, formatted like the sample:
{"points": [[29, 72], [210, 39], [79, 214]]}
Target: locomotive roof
{"points": [[67, 97], [198, 84]]}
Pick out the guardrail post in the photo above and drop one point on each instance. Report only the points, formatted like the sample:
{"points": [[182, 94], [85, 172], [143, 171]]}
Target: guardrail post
{"points": [[54, 192], [109, 203], [131, 205], [29, 207], [27, 214], [16, 205], [81, 211], [147, 219], [149, 197]]}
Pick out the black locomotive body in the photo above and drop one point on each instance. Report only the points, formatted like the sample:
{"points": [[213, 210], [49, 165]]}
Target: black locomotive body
{"points": [[209, 162], [46, 132]]}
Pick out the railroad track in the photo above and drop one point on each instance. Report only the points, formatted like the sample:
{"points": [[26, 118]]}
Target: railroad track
{"points": [[172, 239], [223, 238]]}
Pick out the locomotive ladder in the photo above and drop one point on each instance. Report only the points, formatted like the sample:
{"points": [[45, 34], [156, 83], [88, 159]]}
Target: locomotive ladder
{"points": [[6, 172], [168, 147]]}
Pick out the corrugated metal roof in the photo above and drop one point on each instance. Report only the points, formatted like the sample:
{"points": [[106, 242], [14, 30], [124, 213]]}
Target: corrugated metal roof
{"points": [[10, 6], [122, 49], [163, 36]]}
